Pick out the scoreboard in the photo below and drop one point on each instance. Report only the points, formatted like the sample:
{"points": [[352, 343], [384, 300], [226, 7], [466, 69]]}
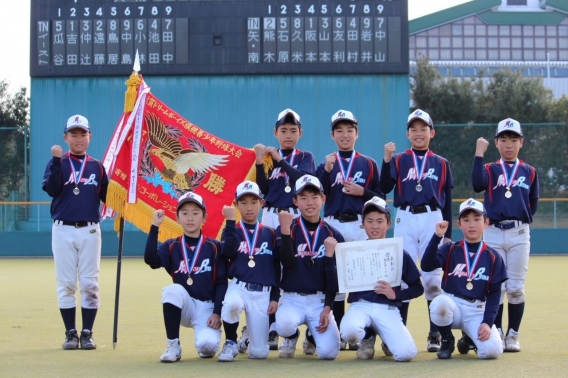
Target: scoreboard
{"points": [[208, 37]]}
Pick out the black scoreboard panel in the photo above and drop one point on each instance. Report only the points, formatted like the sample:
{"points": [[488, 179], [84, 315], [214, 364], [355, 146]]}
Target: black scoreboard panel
{"points": [[185, 37]]}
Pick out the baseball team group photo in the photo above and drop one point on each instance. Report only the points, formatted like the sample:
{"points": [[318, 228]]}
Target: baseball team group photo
{"points": [[199, 207]]}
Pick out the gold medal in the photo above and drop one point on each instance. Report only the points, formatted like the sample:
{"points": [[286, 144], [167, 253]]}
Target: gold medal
{"points": [[469, 286], [189, 281], [287, 189], [508, 194]]}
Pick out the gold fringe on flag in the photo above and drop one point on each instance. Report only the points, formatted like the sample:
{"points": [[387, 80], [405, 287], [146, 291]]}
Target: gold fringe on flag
{"points": [[268, 164], [131, 92], [139, 214]]}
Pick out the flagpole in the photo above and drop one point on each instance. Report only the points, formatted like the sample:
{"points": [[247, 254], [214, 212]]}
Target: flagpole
{"points": [[129, 100], [117, 292]]}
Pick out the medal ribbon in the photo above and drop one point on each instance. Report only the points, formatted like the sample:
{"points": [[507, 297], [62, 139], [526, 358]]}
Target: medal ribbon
{"points": [[250, 244], [419, 168], [349, 167], [469, 266], [195, 255], [509, 179], [312, 244], [292, 156], [83, 164]]}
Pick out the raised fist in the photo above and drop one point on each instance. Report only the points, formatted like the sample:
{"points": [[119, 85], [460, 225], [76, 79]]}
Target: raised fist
{"points": [[329, 244], [329, 162], [481, 147], [57, 151], [390, 149], [158, 217], [229, 212], [259, 150], [285, 218], [441, 228]]}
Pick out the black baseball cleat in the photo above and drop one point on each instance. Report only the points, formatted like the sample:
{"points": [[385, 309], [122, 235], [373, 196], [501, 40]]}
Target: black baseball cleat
{"points": [[87, 341], [434, 340], [465, 344], [71, 340], [445, 352]]}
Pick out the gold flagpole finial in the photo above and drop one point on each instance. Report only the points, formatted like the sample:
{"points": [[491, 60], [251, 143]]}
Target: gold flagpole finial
{"points": [[132, 86]]}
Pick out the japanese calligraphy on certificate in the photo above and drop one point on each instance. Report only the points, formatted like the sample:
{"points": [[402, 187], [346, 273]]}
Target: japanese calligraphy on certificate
{"points": [[360, 264]]}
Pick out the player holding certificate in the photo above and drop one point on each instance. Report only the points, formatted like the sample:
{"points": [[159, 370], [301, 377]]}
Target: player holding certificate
{"points": [[377, 311]]}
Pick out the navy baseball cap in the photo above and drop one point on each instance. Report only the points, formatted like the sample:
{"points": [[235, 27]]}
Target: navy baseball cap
{"points": [[77, 122], [379, 203], [420, 114], [191, 197], [288, 116], [306, 180]]}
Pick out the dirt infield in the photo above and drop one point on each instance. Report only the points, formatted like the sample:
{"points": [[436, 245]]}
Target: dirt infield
{"points": [[31, 333]]}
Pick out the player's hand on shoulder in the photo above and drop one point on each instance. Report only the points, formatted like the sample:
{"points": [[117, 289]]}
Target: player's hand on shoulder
{"points": [[484, 332], [259, 150], [285, 218], [158, 217], [272, 307], [214, 321], [57, 151], [447, 240], [324, 320], [390, 149], [329, 162], [329, 244], [273, 152], [481, 147], [383, 287], [441, 228], [229, 212], [353, 189]]}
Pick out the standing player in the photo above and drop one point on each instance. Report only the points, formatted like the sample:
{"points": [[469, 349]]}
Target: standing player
{"points": [[378, 310], [309, 279], [511, 197], [77, 183], [422, 183], [199, 276], [349, 179], [255, 272], [276, 184], [473, 274]]}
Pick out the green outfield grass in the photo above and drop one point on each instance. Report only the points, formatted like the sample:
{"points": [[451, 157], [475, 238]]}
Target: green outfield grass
{"points": [[31, 333]]}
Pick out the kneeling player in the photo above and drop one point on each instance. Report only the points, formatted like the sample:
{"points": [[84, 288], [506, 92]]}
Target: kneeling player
{"points": [[199, 274], [473, 274], [309, 279], [378, 310]]}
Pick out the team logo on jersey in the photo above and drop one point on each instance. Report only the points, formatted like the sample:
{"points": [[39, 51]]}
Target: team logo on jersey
{"points": [[461, 271], [85, 181], [356, 179], [262, 250], [277, 172], [412, 175], [520, 182], [204, 267], [304, 251]]}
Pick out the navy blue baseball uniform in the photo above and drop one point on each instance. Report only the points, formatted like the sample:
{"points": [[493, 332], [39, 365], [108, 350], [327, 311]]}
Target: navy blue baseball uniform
{"points": [[471, 284], [199, 274], [420, 202], [369, 309], [309, 283], [255, 272], [77, 184]]}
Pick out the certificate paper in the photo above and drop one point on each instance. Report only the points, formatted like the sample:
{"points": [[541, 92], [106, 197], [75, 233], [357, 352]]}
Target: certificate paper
{"points": [[360, 264]]}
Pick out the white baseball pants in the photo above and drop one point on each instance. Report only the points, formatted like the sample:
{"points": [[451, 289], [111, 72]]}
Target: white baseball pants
{"points": [[514, 246], [385, 320], [194, 314], [255, 304], [416, 230], [77, 254], [270, 218], [295, 309], [447, 309]]}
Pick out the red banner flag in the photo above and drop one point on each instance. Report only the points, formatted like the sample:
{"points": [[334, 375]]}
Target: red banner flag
{"points": [[155, 156]]}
